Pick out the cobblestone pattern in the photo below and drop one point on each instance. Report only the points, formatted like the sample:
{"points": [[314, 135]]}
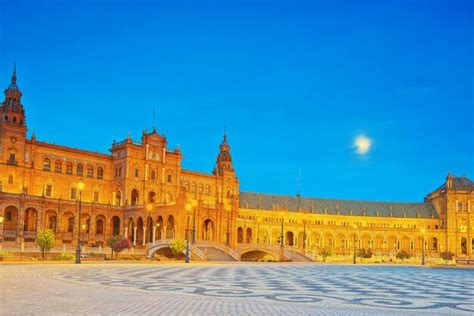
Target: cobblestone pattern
{"points": [[234, 289]]}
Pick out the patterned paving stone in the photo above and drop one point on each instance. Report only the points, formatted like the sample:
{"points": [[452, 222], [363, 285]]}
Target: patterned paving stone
{"points": [[234, 289]]}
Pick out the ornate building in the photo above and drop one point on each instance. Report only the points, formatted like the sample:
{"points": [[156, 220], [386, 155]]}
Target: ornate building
{"points": [[141, 192]]}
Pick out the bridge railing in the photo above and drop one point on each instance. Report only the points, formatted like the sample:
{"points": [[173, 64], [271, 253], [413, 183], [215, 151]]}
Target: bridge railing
{"points": [[220, 246]]}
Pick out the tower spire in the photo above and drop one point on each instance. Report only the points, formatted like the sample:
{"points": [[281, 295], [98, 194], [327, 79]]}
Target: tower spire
{"points": [[14, 74]]}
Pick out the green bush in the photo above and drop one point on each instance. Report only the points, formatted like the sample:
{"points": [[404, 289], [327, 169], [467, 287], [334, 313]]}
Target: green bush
{"points": [[177, 247], [364, 253], [46, 240], [5, 254], [64, 256], [403, 255]]}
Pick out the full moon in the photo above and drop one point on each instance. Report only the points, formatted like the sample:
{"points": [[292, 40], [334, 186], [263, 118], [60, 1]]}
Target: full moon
{"points": [[362, 144]]}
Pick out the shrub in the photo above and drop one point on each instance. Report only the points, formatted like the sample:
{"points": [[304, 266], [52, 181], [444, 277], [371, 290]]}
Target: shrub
{"points": [[364, 253], [121, 245], [111, 242], [447, 255], [177, 247], [325, 252], [403, 255], [64, 256], [5, 254], [46, 240]]}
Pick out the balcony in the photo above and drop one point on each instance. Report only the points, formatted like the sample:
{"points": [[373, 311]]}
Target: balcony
{"points": [[12, 162]]}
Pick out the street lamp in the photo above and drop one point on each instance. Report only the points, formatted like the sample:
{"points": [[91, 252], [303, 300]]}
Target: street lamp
{"points": [[149, 207], [1, 232], [80, 187], [423, 231], [281, 240], [188, 209], [354, 245]]}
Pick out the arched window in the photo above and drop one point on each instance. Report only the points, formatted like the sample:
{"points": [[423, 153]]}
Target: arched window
{"points": [[434, 244], [58, 166], [240, 235], [46, 164], [80, 169], [134, 197], [153, 175], [186, 186], [99, 226], [208, 189], [68, 167], [151, 197], [70, 224], [193, 187], [200, 190], [90, 171], [100, 173]]}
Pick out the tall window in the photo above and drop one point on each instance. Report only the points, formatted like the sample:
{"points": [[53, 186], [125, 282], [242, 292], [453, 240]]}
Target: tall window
{"points": [[99, 228], [96, 197], [100, 173], [12, 159], [136, 172], [46, 164], [73, 193], [68, 167], [58, 166], [80, 169], [169, 178], [70, 224], [48, 190], [90, 171], [153, 175]]}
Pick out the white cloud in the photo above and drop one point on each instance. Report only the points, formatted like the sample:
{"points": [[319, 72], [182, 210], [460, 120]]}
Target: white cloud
{"points": [[362, 144]]}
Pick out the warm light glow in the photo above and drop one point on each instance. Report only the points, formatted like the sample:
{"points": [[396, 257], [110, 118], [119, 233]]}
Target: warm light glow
{"points": [[355, 226], [157, 224], [188, 207], [80, 185], [423, 231], [83, 226], [1, 219], [149, 207], [362, 144]]}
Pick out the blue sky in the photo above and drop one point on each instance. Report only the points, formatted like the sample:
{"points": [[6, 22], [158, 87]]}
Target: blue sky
{"points": [[294, 82]]}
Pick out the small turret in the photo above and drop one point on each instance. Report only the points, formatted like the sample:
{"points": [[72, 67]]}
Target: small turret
{"points": [[11, 109], [449, 181], [224, 158]]}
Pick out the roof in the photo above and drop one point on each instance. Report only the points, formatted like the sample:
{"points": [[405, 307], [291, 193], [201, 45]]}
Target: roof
{"points": [[459, 183], [336, 207]]}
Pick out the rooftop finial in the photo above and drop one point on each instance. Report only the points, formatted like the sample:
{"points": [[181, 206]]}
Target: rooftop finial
{"points": [[14, 73], [225, 133]]}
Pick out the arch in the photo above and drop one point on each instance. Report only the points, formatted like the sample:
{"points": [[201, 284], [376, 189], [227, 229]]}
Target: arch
{"points": [[434, 244], [69, 167], [31, 219], [208, 230], [10, 218], [153, 175], [159, 227], [90, 171], [240, 235], [149, 229], [100, 173], [328, 240], [51, 220], [265, 237], [139, 237], [365, 241], [379, 242], [67, 222], [100, 225], [392, 242], [406, 243], [276, 235], [115, 225], [58, 166], [248, 235], [341, 241], [259, 255], [170, 230], [85, 223], [315, 240], [463, 245], [151, 197], [134, 197], [289, 238], [79, 169], [130, 228]]}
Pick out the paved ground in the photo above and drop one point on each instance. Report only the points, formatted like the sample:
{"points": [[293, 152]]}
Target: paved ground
{"points": [[211, 289]]}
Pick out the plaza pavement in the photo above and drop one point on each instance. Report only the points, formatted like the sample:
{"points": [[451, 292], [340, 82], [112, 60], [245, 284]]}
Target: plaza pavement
{"points": [[240, 288]]}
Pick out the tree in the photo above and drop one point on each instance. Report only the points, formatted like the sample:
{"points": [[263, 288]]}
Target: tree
{"points": [[325, 252], [447, 255], [46, 240], [111, 242], [177, 247], [121, 245], [364, 253], [403, 255]]}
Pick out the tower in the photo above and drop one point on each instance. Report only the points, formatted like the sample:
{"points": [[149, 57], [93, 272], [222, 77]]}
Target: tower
{"points": [[12, 125], [224, 158]]}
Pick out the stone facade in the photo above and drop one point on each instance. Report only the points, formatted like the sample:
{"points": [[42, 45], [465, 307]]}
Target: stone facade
{"points": [[141, 192]]}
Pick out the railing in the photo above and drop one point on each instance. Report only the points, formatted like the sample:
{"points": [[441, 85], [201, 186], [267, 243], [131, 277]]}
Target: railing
{"points": [[66, 236], [198, 252], [29, 234], [220, 246], [9, 233]]}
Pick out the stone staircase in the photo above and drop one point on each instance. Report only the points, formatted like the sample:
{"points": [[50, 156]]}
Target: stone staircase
{"points": [[214, 254]]}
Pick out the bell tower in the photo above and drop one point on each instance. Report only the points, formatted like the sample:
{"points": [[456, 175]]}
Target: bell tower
{"points": [[12, 125], [224, 158]]}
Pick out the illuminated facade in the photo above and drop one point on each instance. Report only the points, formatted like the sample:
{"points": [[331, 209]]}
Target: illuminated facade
{"points": [[140, 191]]}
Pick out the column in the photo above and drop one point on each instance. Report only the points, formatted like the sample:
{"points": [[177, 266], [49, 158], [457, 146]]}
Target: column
{"points": [[126, 232], [135, 236], [144, 235], [154, 233]]}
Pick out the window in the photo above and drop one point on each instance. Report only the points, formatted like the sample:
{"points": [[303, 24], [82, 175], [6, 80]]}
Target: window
{"points": [[79, 169], [46, 164], [100, 173], [48, 190], [99, 228], [57, 166], [459, 207], [136, 172], [153, 175], [68, 168], [90, 172], [96, 197], [193, 187], [8, 216], [12, 159], [169, 178], [70, 224], [208, 189], [73, 193]]}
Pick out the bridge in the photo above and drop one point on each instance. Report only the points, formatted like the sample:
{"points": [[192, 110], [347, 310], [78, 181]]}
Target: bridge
{"points": [[215, 251]]}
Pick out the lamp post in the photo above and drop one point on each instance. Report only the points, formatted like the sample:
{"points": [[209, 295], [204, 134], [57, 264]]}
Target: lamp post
{"points": [[80, 187], [354, 245], [304, 236], [227, 233], [423, 231], [186, 256], [281, 240], [1, 232]]}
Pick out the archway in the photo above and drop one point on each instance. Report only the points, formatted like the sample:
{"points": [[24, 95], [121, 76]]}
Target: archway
{"points": [[289, 237], [149, 230], [208, 230], [51, 220], [159, 228], [170, 231], [115, 226], [130, 229], [134, 197], [463, 246], [240, 235], [151, 197], [258, 256], [139, 240], [30, 223], [10, 219], [248, 235]]}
